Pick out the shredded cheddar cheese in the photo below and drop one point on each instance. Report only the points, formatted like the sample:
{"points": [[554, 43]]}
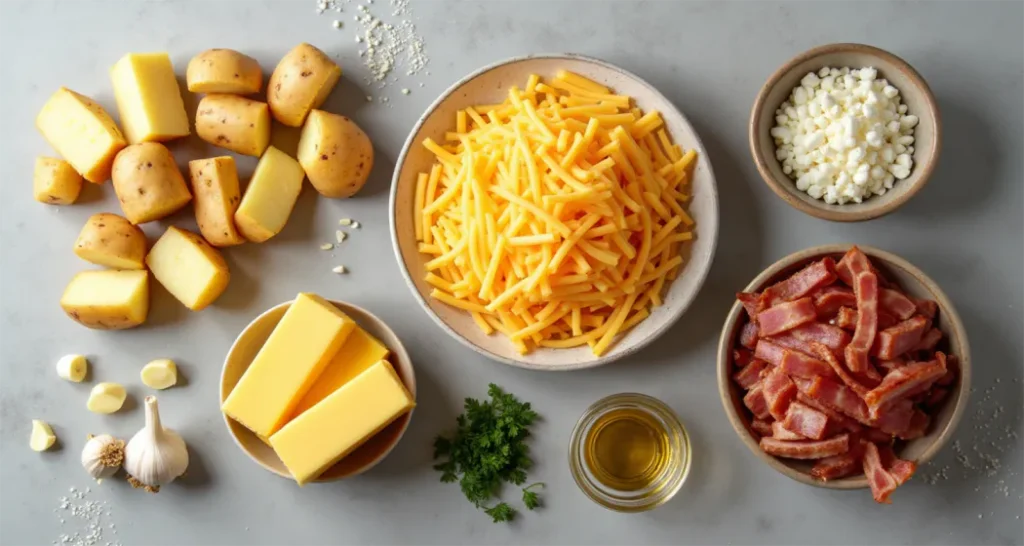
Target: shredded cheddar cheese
{"points": [[555, 217]]}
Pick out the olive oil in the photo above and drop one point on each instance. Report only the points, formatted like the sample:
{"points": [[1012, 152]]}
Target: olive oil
{"points": [[627, 449]]}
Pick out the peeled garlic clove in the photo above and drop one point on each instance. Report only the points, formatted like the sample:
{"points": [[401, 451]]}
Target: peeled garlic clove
{"points": [[72, 368], [160, 374], [106, 398], [156, 455], [102, 456], [42, 437]]}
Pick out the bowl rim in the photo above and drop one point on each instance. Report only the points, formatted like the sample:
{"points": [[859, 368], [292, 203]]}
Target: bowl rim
{"points": [[762, 159], [400, 354], [725, 346], [671, 319]]}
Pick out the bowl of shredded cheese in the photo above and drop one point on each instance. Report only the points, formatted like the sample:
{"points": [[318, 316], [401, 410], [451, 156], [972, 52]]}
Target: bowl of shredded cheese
{"points": [[554, 212]]}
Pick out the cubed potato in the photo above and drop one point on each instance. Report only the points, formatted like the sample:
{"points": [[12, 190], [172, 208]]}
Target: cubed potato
{"points": [[82, 132], [188, 267], [224, 71], [300, 83], [55, 182], [108, 299], [148, 183], [270, 197], [239, 124], [215, 185], [335, 153], [148, 98], [112, 241]]}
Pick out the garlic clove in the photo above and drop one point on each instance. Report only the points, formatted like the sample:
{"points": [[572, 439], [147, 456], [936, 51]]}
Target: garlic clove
{"points": [[106, 398], [160, 374], [155, 456], [102, 456], [42, 437], [72, 368]]}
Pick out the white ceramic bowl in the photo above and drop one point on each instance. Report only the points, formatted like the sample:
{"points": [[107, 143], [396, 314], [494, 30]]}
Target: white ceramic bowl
{"points": [[244, 350], [490, 85]]}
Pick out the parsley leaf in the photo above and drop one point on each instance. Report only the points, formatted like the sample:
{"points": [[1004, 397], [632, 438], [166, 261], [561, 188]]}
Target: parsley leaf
{"points": [[487, 449]]}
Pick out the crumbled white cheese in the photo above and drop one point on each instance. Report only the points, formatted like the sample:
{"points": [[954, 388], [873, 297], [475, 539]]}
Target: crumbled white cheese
{"points": [[843, 135]]}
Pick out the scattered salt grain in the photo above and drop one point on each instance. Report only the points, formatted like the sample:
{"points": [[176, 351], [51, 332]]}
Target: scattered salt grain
{"points": [[337, 23], [355, 225], [326, 246], [340, 269], [405, 91], [90, 524]]}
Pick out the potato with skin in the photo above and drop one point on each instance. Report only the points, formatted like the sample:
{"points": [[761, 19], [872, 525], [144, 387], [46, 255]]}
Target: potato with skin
{"points": [[108, 299], [224, 71], [335, 153], [148, 183], [55, 182], [300, 83], [239, 124], [112, 241], [188, 267], [215, 186]]}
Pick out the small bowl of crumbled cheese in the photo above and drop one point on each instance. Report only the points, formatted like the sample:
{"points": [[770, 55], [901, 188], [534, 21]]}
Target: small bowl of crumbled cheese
{"points": [[845, 132]]}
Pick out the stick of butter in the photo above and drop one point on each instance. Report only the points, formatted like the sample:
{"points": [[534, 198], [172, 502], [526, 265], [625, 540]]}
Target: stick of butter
{"points": [[360, 351], [323, 435], [303, 343]]}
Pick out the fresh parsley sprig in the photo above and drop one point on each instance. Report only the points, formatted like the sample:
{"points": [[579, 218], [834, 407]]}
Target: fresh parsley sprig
{"points": [[488, 449]]}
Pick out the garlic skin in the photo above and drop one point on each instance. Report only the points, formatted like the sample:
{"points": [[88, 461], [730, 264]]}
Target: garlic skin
{"points": [[102, 456], [155, 456]]}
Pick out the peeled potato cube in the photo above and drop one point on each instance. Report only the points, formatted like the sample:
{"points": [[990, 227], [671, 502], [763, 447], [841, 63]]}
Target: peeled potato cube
{"points": [[42, 437], [108, 300], [82, 133], [270, 197], [160, 374], [72, 368], [106, 398], [148, 98], [55, 182], [188, 267]]}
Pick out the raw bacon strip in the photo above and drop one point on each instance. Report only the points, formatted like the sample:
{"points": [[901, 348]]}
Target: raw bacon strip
{"points": [[908, 379], [769, 352], [889, 365], [801, 365], [936, 396], [952, 365], [750, 303], [901, 338], [895, 418], [741, 357], [748, 336], [881, 481], [790, 342], [929, 340], [900, 469], [761, 427], [928, 308], [750, 374], [801, 283], [918, 426], [779, 391], [853, 263], [832, 337], [830, 299], [896, 303], [836, 420], [806, 449], [839, 398], [866, 289], [836, 466], [870, 378], [876, 436], [786, 316], [847, 319], [780, 432], [847, 378], [804, 421], [755, 402]]}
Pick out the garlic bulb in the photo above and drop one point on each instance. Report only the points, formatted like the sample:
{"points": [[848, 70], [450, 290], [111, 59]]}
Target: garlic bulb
{"points": [[155, 456], [102, 456]]}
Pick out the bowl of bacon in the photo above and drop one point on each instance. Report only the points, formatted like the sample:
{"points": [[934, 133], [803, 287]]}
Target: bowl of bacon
{"points": [[844, 367]]}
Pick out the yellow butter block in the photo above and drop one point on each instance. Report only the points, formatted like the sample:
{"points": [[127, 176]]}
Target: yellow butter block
{"points": [[82, 133], [307, 338], [312, 442], [360, 351], [148, 98]]}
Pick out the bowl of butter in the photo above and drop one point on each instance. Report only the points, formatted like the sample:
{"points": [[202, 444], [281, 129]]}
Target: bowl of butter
{"points": [[317, 390]]}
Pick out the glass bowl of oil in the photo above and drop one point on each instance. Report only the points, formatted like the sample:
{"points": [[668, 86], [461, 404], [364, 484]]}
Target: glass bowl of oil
{"points": [[629, 453]]}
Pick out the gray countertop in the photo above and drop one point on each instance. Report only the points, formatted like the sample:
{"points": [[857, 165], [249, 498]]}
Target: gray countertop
{"points": [[964, 229]]}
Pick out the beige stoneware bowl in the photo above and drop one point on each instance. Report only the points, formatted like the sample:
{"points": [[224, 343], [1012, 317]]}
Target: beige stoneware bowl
{"points": [[914, 92], [369, 454], [915, 283], [490, 85]]}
